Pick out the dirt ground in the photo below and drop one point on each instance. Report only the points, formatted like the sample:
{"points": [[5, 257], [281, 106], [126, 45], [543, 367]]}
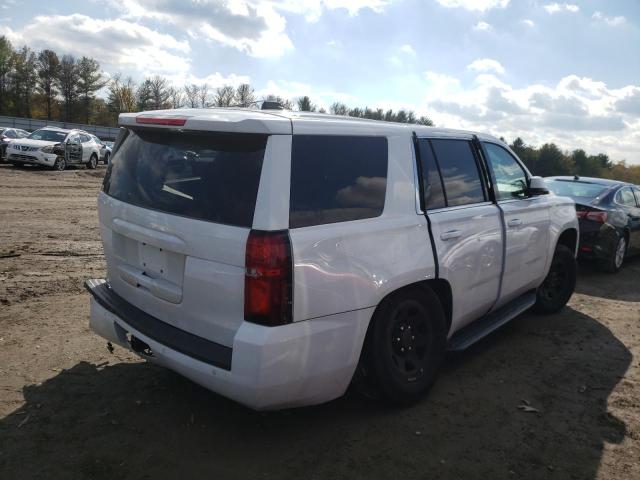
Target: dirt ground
{"points": [[69, 409]]}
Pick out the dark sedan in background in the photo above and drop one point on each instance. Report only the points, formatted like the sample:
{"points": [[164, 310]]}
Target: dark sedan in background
{"points": [[609, 216]]}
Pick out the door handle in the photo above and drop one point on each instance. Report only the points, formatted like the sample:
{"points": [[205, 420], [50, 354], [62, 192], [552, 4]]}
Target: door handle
{"points": [[450, 235], [516, 222]]}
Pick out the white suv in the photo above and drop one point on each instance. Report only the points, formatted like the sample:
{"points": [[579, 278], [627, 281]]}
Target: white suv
{"points": [[56, 148], [274, 257]]}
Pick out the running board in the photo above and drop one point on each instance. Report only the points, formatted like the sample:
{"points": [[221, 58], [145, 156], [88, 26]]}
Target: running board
{"points": [[479, 329]]}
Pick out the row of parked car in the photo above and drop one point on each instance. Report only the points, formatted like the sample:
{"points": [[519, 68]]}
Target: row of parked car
{"points": [[53, 147]]}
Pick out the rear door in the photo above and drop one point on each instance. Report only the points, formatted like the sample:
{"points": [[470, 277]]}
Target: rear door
{"points": [[465, 225], [175, 215], [526, 221]]}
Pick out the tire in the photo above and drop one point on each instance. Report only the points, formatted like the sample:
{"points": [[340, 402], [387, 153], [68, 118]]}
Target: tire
{"points": [[558, 286], [106, 158], [60, 164], [614, 263], [405, 346], [93, 162]]}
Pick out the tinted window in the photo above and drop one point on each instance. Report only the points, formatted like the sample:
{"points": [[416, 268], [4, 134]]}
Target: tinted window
{"points": [[48, 135], [10, 134], [207, 176], [625, 197], [511, 180], [432, 183], [84, 138], [636, 190], [459, 172], [336, 179]]}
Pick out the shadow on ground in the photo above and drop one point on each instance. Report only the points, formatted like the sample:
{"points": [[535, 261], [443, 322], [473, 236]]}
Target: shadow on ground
{"points": [[134, 420], [614, 286]]}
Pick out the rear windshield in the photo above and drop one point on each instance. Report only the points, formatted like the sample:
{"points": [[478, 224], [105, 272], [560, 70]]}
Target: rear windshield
{"points": [[572, 188], [202, 175], [48, 135]]}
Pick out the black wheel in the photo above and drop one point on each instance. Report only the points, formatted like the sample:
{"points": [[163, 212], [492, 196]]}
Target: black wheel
{"points": [[405, 345], [60, 164], [616, 258], [106, 158], [558, 286], [93, 162]]}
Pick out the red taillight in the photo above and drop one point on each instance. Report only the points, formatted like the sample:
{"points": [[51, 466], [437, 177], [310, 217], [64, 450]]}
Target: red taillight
{"points": [[267, 281], [598, 217], [170, 121]]}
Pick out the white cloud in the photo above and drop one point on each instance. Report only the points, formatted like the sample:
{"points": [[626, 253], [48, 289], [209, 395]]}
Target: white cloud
{"points": [[577, 112], [486, 65], [528, 22], [478, 5], [116, 44], [313, 9], [611, 21], [253, 27], [552, 8], [408, 49], [482, 26]]}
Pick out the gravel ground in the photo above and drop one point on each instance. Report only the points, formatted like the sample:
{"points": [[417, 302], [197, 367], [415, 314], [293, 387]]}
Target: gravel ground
{"points": [[69, 409]]}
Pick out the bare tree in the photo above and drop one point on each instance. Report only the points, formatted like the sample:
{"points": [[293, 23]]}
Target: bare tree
{"points": [[159, 90], [203, 95], [176, 100], [245, 96], [191, 93], [224, 96], [122, 95]]}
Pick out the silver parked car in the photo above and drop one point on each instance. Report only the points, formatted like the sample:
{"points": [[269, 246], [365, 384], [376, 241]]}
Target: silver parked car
{"points": [[6, 136]]}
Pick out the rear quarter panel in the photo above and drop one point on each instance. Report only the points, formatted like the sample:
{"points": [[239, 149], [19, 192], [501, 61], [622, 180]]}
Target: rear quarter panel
{"points": [[354, 265]]}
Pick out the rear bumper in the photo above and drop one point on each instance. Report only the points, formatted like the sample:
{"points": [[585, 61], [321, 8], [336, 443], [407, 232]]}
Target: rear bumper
{"points": [[300, 364], [598, 244]]}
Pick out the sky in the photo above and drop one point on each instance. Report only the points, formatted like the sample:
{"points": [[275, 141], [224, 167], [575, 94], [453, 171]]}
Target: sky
{"points": [[563, 72]]}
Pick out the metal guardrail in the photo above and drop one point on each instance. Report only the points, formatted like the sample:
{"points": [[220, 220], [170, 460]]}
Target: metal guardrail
{"points": [[31, 124]]}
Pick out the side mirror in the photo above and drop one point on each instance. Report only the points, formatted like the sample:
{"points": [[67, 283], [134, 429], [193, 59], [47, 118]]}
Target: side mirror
{"points": [[537, 186]]}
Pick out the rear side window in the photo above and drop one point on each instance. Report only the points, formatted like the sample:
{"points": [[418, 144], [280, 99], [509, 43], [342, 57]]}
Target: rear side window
{"points": [[201, 175], [336, 179], [433, 192], [625, 197], [459, 170]]}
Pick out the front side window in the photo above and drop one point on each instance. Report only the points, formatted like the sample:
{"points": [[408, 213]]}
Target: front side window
{"points": [[10, 134], [459, 171], [510, 177], [625, 197], [336, 179]]}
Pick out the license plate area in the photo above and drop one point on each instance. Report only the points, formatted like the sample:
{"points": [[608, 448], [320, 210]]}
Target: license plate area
{"points": [[153, 260]]}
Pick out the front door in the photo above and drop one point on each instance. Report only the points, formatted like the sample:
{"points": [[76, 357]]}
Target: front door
{"points": [[73, 150], [526, 222]]}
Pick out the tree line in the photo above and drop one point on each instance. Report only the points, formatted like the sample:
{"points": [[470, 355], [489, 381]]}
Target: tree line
{"points": [[48, 86], [53, 87], [549, 160]]}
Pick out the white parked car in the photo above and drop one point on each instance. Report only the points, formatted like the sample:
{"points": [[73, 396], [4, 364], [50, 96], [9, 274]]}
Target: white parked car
{"points": [[56, 148], [7, 135], [275, 257]]}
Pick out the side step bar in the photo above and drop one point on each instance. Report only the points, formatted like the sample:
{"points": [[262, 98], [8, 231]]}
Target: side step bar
{"points": [[479, 329]]}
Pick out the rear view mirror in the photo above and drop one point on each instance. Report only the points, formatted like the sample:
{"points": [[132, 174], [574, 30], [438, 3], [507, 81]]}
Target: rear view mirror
{"points": [[537, 186]]}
